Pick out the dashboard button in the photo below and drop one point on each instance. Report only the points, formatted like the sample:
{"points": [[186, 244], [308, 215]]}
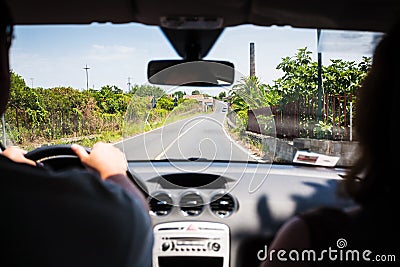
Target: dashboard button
{"points": [[165, 246], [215, 246]]}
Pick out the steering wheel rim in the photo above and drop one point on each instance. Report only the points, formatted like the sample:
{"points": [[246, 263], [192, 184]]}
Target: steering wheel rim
{"points": [[64, 150], [44, 152]]}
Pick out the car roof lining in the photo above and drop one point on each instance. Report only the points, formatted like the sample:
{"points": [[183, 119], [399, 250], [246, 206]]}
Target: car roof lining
{"points": [[371, 15], [364, 15]]}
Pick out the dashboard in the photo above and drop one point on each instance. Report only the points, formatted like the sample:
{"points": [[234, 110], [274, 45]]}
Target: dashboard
{"points": [[224, 213]]}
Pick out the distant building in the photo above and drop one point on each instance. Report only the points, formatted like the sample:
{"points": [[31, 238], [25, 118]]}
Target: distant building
{"points": [[206, 102]]}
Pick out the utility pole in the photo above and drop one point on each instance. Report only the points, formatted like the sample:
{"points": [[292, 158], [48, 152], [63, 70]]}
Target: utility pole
{"points": [[86, 68], [3, 129], [129, 84], [32, 82], [252, 61], [319, 110]]}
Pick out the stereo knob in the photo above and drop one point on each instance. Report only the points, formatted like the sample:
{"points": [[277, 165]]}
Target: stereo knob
{"points": [[215, 246], [165, 246]]}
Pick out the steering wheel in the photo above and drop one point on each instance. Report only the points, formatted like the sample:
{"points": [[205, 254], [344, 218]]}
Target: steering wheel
{"points": [[56, 157], [59, 157]]}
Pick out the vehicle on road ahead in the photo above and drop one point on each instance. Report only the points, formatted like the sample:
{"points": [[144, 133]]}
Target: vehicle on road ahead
{"points": [[238, 152]]}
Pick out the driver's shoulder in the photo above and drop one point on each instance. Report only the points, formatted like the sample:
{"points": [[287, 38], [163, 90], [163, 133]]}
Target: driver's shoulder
{"points": [[70, 183]]}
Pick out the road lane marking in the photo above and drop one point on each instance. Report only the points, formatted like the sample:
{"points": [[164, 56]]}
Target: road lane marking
{"points": [[156, 129], [176, 139], [143, 133]]}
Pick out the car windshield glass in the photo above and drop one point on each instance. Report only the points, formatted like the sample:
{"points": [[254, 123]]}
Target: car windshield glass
{"points": [[292, 100]]}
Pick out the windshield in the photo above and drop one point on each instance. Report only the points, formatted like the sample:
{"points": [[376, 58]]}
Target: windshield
{"points": [[292, 100]]}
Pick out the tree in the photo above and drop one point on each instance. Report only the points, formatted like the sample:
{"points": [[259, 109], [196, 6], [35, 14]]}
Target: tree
{"points": [[179, 94], [222, 95], [300, 76], [300, 81], [147, 90], [250, 93], [166, 103], [111, 99], [26, 100], [344, 77], [196, 92]]}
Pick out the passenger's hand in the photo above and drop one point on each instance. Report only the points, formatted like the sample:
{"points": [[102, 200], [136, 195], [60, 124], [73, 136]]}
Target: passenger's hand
{"points": [[106, 159], [17, 154]]}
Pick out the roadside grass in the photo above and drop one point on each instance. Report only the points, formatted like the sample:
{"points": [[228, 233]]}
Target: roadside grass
{"points": [[129, 130]]}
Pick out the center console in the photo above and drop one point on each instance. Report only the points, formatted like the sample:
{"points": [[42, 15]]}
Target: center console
{"points": [[191, 243]]}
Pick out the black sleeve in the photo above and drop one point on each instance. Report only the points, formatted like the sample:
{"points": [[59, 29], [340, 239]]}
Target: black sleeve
{"points": [[141, 236], [135, 222], [127, 185], [71, 218]]}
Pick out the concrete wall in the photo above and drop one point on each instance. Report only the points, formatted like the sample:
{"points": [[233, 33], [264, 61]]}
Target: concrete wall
{"points": [[285, 150]]}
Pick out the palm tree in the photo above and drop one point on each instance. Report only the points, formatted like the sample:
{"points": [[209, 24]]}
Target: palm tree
{"points": [[251, 94]]}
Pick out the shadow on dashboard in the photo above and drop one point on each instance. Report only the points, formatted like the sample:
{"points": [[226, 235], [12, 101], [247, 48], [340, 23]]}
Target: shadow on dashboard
{"points": [[322, 195]]}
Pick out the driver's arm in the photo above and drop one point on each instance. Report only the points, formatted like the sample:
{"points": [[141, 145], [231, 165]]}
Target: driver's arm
{"points": [[111, 164], [104, 158], [17, 154]]}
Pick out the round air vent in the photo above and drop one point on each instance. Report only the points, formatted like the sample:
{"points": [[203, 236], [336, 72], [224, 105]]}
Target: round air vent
{"points": [[222, 205], [160, 204], [191, 204]]}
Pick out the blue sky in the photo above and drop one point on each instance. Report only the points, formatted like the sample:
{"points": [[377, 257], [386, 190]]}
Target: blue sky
{"points": [[50, 56]]}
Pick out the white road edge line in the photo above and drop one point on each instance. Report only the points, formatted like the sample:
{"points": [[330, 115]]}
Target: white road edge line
{"points": [[245, 150]]}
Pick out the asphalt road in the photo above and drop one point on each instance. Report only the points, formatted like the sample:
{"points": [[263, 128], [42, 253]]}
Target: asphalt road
{"points": [[202, 136]]}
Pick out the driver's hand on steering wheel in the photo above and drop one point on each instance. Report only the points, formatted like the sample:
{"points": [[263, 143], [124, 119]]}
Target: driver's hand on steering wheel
{"points": [[17, 154], [105, 158]]}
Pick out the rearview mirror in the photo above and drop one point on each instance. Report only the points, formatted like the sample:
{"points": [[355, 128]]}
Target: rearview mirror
{"points": [[190, 73]]}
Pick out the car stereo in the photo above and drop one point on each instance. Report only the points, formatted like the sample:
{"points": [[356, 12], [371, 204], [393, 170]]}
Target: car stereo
{"points": [[191, 243]]}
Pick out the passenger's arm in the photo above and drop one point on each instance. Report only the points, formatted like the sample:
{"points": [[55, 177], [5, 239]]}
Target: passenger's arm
{"points": [[293, 235]]}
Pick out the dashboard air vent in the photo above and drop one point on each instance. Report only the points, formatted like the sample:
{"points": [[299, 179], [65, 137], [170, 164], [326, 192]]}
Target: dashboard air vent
{"points": [[160, 204], [191, 204], [222, 205]]}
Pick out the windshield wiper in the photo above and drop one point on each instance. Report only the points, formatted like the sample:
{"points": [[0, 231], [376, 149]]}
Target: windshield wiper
{"points": [[182, 159], [196, 159]]}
